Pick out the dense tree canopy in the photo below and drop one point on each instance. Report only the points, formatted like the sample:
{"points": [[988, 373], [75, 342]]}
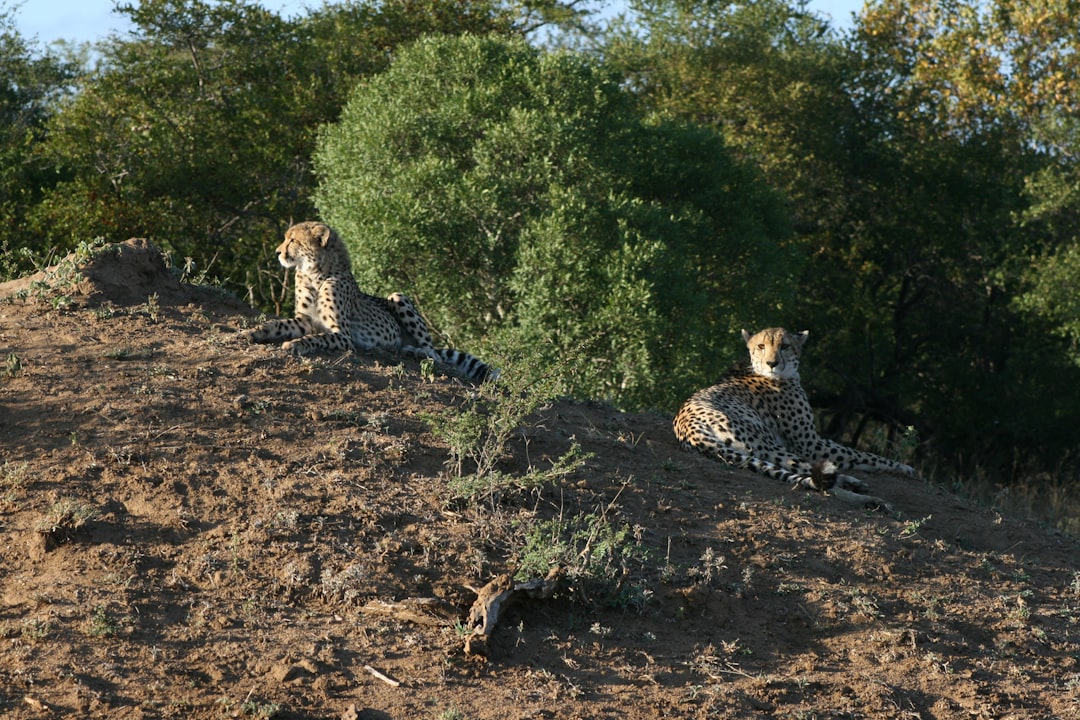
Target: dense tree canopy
{"points": [[907, 176], [197, 131]]}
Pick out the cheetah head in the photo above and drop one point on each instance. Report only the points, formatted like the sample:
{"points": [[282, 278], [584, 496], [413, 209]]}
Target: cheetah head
{"points": [[774, 352], [306, 242]]}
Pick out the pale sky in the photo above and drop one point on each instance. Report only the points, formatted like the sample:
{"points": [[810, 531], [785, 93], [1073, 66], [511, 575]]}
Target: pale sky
{"points": [[90, 20]]}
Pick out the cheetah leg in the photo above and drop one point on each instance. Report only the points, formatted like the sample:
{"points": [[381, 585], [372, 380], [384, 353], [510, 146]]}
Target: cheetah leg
{"points": [[822, 477], [417, 343], [847, 489], [274, 331], [416, 338], [851, 459], [300, 336], [869, 502], [319, 342]]}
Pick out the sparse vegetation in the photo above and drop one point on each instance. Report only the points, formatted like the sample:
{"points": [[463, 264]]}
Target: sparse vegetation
{"points": [[101, 624], [478, 435], [230, 525], [12, 365], [65, 517], [212, 529], [14, 476], [603, 560]]}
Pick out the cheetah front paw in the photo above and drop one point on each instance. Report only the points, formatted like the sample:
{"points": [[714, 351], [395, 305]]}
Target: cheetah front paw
{"points": [[296, 348], [854, 491], [859, 499], [854, 484]]}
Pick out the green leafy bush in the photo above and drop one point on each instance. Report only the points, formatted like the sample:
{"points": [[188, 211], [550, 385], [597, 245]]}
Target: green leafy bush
{"points": [[522, 199]]}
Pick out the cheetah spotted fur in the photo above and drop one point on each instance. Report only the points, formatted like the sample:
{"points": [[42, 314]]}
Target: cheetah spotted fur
{"points": [[334, 315], [758, 416]]}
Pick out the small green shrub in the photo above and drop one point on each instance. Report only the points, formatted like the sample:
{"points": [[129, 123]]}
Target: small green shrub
{"points": [[599, 555], [102, 624], [12, 366], [65, 517], [478, 434]]}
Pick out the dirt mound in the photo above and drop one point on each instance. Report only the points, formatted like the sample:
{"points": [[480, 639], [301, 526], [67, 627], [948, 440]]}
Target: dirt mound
{"points": [[124, 273], [197, 527]]}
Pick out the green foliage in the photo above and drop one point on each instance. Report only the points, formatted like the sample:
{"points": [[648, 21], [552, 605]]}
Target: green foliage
{"points": [[479, 434], [495, 485], [179, 135], [12, 366], [1053, 293], [522, 199], [905, 203], [30, 84], [600, 557], [102, 624]]}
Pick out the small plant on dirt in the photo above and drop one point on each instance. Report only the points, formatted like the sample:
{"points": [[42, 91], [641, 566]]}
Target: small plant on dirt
{"points": [[600, 558], [35, 629], [63, 277], [346, 585], [254, 709], [494, 484], [427, 370], [151, 308], [864, 604], [912, 527], [14, 476], [101, 624], [478, 435], [790, 588], [12, 366], [707, 569], [105, 310], [1019, 610], [64, 518], [933, 605]]}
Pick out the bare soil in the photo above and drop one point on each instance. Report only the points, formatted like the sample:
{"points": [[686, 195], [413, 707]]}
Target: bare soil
{"points": [[198, 527]]}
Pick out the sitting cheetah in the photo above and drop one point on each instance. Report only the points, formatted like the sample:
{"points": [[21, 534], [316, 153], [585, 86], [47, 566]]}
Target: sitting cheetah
{"points": [[758, 416], [333, 315]]}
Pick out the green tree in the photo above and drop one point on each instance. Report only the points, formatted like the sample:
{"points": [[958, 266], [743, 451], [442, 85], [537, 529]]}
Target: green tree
{"points": [[523, 200], [30, 83], [905, 162], [197, 130], [779, 85], [978, 91]]}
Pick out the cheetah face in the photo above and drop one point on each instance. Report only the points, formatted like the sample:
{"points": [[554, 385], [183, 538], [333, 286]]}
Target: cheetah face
{"points": [[303, 243], [774, 353]]}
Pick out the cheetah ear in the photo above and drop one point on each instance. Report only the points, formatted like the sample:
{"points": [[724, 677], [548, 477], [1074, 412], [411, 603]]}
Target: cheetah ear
{"points": [[745, 336], [324, 233], [800, 337]]}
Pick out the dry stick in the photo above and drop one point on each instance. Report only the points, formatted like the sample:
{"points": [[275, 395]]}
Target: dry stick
{"points": [[386, 679]]}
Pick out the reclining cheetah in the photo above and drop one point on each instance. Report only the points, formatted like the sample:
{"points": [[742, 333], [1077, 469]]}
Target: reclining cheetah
{"points": [[758, 416], [333, 315]]}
